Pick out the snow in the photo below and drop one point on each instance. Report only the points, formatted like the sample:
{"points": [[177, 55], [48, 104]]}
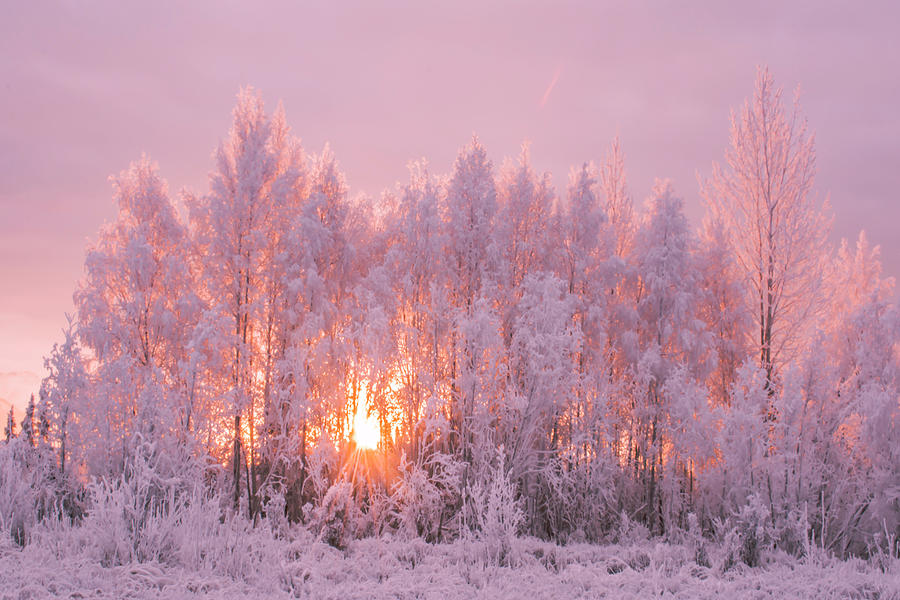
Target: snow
{"points": [[527, 364], [399, 568]]}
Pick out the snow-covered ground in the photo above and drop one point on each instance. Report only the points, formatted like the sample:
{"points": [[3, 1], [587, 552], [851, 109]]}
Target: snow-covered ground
{"points": [[393, 568]]}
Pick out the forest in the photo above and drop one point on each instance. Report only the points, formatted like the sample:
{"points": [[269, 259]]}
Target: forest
{"points": [[472, 355]]}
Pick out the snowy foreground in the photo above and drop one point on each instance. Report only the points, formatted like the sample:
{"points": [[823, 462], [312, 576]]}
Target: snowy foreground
{"points": [[384, 568]]}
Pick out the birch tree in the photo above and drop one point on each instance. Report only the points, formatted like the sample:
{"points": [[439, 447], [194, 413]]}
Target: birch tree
{"points": [[778, 229]]}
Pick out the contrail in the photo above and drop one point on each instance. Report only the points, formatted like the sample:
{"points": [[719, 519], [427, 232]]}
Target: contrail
{"points": [[550, 87]]}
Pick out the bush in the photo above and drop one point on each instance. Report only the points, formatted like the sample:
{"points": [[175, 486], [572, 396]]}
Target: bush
{"points": [[138, 516], [494, 513], [32, 490], [427, 496]]}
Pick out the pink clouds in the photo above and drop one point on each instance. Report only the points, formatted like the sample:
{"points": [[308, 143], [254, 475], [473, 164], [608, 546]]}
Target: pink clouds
{"points": [[550, 87]]}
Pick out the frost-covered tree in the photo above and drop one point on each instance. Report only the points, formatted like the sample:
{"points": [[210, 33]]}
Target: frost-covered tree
{"points": [[318, 368], [63, 394], [777, 228], [541, 354], [524, 221], [471, 204], [9, 431], [28, 425], [617, 201], [669, 335], [414, 262], [471, 262], [587, 245], [599, 247], [852, 433], [722, 308], [255, 176], [740, 440], [587, 240], [136, 309]]}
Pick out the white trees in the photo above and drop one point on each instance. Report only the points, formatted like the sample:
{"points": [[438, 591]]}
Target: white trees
{"points": [[63, 392], [617, 202], [9, 431], [670, 336], [853, 459], [524, 221], [471, 204], [722, 308], [257, 176], [777, 228], [414, 263], [470, 207], [28, 425], [541, 355], [136, 310], [578, 360], [586, 250]]}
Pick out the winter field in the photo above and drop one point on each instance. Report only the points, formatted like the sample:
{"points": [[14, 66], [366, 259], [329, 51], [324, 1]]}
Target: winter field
{"points": [[473, 387], [300, 566]]}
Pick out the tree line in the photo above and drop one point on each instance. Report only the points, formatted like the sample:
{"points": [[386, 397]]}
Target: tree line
{"points": [[548, 364]]}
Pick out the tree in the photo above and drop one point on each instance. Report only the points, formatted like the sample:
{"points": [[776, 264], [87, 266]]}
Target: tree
{"points": [[722, 308], [587, 240], [670, 335], [470, 208], [136, 310], [471, 204], [258, 172], [321, 272], [524, 219], [618, 206], [854, 428], [62, 392], [854, 278], [777, 227], [543, 342], [588, 267], [28, 426], [10, 430], [414, 264]]}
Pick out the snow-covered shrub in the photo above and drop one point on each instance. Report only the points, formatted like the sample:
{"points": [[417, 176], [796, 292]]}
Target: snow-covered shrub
{"points": [[425, 496], [32, 489], [792, 532], [577, 503], [137, 516], [493, 512], [696, 541], [630, 531], [417, 501], [745, 535], [211, 540], [324, 465], [335, 516], [274, 509]]}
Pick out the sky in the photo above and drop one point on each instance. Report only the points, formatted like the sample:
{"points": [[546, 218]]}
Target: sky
{"points": [[86, 87]]}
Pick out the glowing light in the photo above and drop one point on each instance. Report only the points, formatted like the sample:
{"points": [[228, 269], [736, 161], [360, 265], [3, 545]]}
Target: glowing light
{"points": [[366, 432]]}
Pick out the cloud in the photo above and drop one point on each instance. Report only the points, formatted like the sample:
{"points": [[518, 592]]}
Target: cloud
{"points": [[550, 87]]}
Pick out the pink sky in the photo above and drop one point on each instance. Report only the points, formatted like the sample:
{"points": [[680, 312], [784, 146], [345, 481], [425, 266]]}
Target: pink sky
{"points": [[86, 87]]}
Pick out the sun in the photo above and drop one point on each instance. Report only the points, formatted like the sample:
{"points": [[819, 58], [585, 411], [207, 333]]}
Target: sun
{"points": [[366, 432]]}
